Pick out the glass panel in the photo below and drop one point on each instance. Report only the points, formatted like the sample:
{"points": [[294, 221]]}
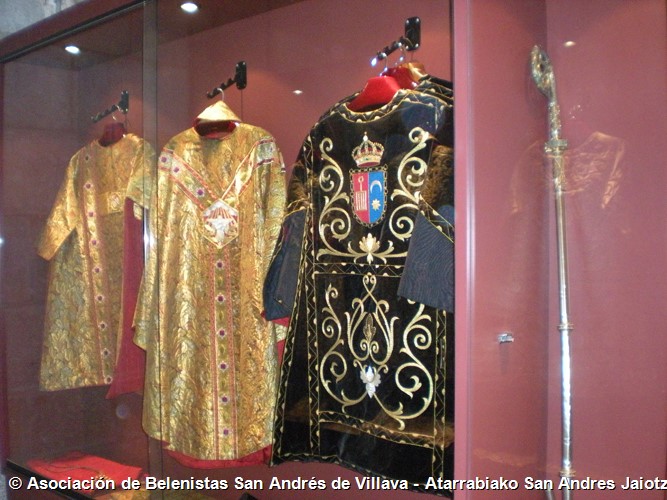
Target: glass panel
{"points": [[502, 245], [66, 182], [301, 59], [610, 60]]}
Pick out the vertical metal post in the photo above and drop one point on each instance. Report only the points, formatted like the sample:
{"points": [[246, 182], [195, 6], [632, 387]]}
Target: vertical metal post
{"points": [[150, 134], [554, 150]]}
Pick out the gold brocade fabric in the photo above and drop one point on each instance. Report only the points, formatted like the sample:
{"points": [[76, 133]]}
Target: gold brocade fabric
{"points": [[83, 239], [211, 357]]}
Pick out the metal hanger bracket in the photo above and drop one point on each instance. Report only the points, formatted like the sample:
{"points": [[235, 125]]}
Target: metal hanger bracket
{"points": [[240, 79]]}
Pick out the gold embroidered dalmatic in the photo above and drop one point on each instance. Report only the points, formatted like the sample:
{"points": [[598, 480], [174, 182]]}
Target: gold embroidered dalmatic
{"points": [[211, 357], [83, 240]]}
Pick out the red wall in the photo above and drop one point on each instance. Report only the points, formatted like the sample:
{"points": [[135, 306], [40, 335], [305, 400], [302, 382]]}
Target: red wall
{"points": [[322, 48]]}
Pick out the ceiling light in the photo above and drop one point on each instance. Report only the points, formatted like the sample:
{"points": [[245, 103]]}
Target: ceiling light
{"points": [[73, 49], [297, 92], [570, 43], [190, 7]]}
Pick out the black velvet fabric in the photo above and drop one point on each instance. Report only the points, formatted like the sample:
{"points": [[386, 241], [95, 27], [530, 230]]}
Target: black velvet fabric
{"points": [[281, 277], [367, 376], [428, 276]]}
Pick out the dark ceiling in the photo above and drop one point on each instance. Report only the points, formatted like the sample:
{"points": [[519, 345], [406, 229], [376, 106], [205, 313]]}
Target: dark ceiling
{"points": [[126, 33]]}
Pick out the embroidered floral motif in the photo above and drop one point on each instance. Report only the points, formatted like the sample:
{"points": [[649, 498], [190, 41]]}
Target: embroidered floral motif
{"points": [[369, 245], [371, 378], [266, 151], [221, 222]]}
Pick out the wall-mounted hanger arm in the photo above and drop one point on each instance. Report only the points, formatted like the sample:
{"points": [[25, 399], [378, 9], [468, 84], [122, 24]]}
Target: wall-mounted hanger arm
{"points": [[240, 79], [123, 106], [409, 41]]}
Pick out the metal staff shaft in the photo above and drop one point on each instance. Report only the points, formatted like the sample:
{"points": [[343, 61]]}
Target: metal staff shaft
{"points": [[554, 150], [564, 327]]}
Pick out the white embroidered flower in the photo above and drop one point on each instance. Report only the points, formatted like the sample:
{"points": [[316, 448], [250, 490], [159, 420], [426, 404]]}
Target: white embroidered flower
{"points": [[369, 245], [221, 221], [371, 378]]}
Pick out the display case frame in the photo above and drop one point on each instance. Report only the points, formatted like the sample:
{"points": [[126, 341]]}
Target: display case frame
{"points": [[507, 393]]}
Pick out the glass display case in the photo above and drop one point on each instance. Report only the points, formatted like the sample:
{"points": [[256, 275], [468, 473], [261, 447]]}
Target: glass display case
{"points": [[97, 154]]}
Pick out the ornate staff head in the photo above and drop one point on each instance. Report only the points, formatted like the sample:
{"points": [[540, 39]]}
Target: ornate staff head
{"points": [[543, 75]]}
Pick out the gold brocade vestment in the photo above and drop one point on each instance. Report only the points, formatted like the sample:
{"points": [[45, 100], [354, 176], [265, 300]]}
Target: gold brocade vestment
{"points": [[211, 357], [83, 240]]}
